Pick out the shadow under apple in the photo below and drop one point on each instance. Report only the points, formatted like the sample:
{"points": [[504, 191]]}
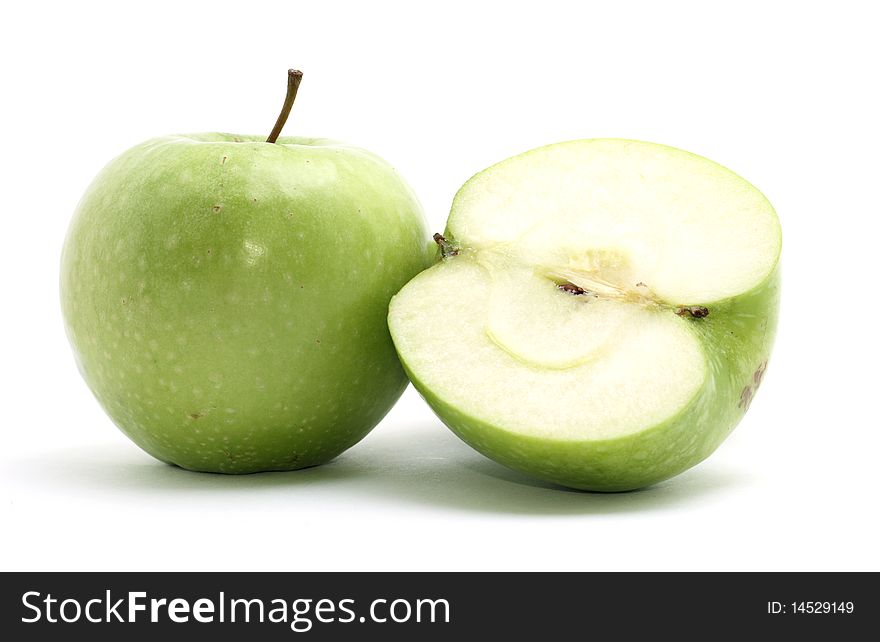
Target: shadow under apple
{"points": [[424, 465]]}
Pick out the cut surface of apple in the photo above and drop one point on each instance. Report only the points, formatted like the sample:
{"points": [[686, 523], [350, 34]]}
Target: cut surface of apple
{"points": [[606, 308]]}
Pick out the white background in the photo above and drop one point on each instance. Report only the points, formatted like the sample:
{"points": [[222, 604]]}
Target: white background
{"points": [[783, 93]]}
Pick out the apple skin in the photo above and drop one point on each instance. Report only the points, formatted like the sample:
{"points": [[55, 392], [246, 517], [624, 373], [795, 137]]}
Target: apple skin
{"points": [[737, 337], [225, 297]]}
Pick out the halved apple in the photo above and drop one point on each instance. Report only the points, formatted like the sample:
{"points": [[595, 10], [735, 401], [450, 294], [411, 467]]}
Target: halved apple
{"points": [[602, 314]]}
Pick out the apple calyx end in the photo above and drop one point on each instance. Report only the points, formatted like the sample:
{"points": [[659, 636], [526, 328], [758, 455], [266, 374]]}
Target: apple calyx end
{"points": [[693, 311]]}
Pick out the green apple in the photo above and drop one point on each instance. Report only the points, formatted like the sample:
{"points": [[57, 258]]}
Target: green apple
{"points": [[602, 315], [226, 296]]}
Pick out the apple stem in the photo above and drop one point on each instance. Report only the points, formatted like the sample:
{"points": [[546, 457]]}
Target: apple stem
{"points": [[294, 78], [447, 247]]}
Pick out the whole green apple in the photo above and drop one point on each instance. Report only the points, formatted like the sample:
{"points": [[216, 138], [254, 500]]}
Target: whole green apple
{"points": [[602, 315], [226, 296]]}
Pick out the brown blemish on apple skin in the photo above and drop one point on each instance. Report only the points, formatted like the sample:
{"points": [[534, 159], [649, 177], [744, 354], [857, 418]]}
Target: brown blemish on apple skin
{"points": [[196, 415], [217, 207], [748, 392], [745, 398], [758, 376]]}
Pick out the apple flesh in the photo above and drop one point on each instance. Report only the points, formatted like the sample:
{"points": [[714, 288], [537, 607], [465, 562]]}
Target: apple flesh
{"points": [[226, 297], [603, 313]]}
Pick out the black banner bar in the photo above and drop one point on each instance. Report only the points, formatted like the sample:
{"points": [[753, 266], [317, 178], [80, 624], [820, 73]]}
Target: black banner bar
{"points": [[432, 606]]}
